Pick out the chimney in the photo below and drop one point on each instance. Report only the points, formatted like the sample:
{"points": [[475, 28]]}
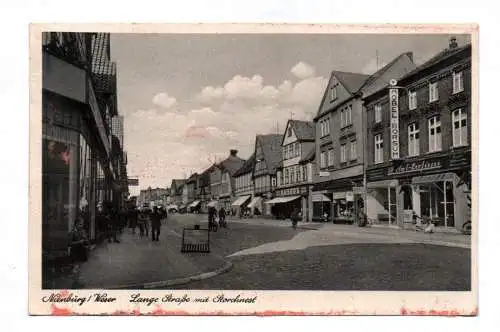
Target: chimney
{"points": [[453, 42], [233, 152]]}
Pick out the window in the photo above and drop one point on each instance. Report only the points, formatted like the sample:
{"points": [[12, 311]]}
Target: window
{"points": [[345, 116], [304, 172], [286, 176], [273, 182], [458, 82], [433, 92], [354, 154], [412, 100], [284, 152], [330, 157], [343, 153], [378, 113], [434, 134], [459, 119], [413, 140], [333, 90], [323, 159], [379, 149], [292, 175], [297, 174], [324, 127]]}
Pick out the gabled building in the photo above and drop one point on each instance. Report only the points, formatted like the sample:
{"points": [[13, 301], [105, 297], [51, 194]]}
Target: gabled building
{"points": [[340, 137], [267, 161], [222, 180], [295, 174], [176, 191], [244, 186], [419, 143]]}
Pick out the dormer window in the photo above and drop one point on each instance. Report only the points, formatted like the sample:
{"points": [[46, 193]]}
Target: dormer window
{"points": [[333, 90]]}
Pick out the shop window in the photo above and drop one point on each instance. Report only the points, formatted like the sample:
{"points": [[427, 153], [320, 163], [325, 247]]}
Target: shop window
{"points": [[379, 149], [433, 92], [434, 134], [459, 119], [413, 139], [378, 113]]}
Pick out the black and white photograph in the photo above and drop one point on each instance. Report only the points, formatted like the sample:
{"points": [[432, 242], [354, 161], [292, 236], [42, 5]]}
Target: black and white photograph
{"points": [[236, 163]]}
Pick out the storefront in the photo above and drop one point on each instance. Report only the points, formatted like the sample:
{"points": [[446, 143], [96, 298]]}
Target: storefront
{"points": [[255, 206], [282, 207], [420, 190], [239, 206], [339, 203]]}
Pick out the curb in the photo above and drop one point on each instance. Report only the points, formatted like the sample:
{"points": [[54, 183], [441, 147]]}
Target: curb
{"points": [[173, 282]]}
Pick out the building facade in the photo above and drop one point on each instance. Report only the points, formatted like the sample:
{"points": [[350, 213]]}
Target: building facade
{"points": [[267, 161], [340, 136], [244, 187], [421, 168], [295, 174], [203, 189], [78, 102], [176, 191]]}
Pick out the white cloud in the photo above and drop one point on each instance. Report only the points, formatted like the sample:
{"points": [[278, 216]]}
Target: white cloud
{"points": [[167, 145], [303, 70], [164, 100]]}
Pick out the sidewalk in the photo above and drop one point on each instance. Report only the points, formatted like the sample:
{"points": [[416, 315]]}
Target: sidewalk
{"points": [[138, 262], [339, 233]]}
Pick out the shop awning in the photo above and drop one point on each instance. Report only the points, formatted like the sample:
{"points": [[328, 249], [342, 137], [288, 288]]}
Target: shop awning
{"points": [[240, 200], [254, 202], [279, 200], [382, 184], [194, 204], [433, 178], [212, 204], [320, 198]]}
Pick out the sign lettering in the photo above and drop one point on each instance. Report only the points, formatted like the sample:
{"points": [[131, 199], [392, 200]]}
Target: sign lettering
{"points": [[416, 166], [394, 107]]}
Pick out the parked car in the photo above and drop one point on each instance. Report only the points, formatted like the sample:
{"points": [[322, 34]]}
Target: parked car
{"points": [[172, 208]]}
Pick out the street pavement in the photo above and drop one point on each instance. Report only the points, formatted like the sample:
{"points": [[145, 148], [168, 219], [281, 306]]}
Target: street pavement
{"points": [[265, 254]]}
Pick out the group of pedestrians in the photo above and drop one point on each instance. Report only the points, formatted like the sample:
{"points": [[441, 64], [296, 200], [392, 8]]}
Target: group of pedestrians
{"points": [[146, 219], [216, 218]]}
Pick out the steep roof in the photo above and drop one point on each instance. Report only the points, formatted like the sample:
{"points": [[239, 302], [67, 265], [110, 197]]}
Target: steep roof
{"points": [[304, 130], [271, 148], [351, 81], [376, 75], [247, 166], [309, 155], [231, 164], [446, 53]]}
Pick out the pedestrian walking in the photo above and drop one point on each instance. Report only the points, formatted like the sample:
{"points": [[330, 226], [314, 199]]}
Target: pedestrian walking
{"points": [[133, 219], [143, 223], [295, 216], [212, 224], [155, 224], [222, 218], [112, 223]]}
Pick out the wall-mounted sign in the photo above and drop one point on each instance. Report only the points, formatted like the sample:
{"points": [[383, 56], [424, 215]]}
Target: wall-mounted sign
{"points": [[394, 109], [358, 190], [324, 174], [349, 196], [416, 166]]}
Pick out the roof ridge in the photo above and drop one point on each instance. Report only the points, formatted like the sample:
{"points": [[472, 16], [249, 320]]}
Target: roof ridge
{"points": [[385, 68]]}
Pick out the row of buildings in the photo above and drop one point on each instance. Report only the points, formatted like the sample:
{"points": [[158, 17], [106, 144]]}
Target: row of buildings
{"points": [[83, 160], [396, 144]]}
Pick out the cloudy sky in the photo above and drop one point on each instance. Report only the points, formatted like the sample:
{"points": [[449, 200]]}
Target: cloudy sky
{"points": [[188, 99]]}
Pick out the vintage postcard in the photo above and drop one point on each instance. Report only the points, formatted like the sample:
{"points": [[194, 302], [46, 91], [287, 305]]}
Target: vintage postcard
{"points": [[253, 169]]}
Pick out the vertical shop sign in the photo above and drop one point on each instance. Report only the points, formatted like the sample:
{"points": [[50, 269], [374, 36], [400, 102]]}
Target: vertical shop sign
{"points": [[394, 107]]}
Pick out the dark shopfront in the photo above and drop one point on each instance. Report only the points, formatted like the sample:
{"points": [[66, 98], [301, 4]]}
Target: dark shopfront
{"points": [[70, 166], [337, 201], [427, 187]]}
